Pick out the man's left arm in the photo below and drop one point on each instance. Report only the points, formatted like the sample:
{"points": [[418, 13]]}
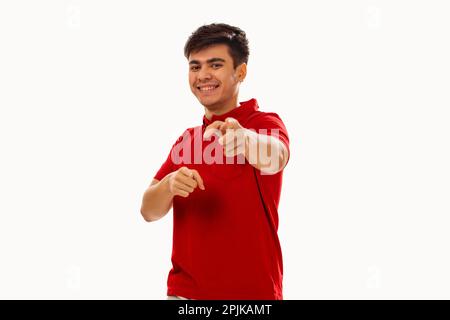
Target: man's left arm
{"points": [[266, 153]]}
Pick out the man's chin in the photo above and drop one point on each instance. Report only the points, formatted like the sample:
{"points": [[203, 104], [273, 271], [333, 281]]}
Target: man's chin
{"points": [[210, 104]]}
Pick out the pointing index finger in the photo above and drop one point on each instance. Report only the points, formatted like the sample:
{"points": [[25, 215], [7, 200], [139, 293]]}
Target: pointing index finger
{"points": [[198, 178], [212, 128]]}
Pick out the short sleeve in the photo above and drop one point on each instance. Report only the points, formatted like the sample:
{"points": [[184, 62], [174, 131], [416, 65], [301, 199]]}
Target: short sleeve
{"points": [[270, 123], [168, 166]]}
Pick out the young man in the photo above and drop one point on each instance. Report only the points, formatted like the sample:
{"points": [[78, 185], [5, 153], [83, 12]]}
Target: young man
{"points": [[223, 180]]}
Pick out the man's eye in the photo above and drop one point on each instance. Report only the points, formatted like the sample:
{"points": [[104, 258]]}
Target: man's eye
{"points": [[195, 68], [216, 65]]}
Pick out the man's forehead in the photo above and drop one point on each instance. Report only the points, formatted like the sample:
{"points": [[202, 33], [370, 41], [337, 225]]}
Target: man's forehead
{"points": [[210, 53]]}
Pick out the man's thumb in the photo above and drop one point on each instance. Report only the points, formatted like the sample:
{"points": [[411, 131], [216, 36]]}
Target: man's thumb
{"points": [[212, 128]]}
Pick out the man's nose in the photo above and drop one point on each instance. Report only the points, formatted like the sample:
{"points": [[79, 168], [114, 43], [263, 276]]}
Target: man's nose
{"points": [[204, 74]]}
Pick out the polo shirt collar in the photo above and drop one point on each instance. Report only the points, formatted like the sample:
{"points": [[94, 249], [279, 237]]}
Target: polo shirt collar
{"points": [[240, 113]]}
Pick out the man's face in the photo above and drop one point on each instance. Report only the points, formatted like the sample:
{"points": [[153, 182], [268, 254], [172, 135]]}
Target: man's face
{"points": [[212, 77]]}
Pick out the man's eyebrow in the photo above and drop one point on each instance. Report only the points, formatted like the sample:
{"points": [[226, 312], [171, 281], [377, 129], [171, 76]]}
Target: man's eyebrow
{"points": [[207, 61]]}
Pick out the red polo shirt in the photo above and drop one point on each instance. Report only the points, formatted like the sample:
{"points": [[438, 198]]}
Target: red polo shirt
{"points": [[225, 242]]}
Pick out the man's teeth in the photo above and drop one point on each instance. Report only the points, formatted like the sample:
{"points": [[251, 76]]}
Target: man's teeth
{"points": [[207, 88]]}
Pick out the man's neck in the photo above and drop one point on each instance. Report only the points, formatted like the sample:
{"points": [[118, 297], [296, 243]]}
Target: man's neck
{"points": [[230, 105]]}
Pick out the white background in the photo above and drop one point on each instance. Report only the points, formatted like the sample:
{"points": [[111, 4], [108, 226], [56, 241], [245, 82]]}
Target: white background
{"points": [[94, 93]]}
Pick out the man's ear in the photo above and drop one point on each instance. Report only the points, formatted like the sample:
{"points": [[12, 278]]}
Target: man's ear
{"points": [[242, 71]]}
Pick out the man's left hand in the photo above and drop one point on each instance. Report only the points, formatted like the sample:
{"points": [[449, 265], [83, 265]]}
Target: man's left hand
{"points": [[232, 136]]}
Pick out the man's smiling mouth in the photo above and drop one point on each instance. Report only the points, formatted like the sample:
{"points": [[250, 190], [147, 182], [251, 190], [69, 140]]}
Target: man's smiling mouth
{"points": [[207, 88]]}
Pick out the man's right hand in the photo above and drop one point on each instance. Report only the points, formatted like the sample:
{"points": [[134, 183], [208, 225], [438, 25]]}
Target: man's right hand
{"points": [[183, 182]]}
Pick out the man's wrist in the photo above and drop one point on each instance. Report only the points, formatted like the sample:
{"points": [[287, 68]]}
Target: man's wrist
{"points": [[250, 146], [165, 184]]}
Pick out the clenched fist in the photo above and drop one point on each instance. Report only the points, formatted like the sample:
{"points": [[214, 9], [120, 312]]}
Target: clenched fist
{"points": [[183, 182]]}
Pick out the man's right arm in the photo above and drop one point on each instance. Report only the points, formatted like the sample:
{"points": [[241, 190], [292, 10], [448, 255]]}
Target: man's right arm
{"points": [[158, 197], [157, 200]]}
